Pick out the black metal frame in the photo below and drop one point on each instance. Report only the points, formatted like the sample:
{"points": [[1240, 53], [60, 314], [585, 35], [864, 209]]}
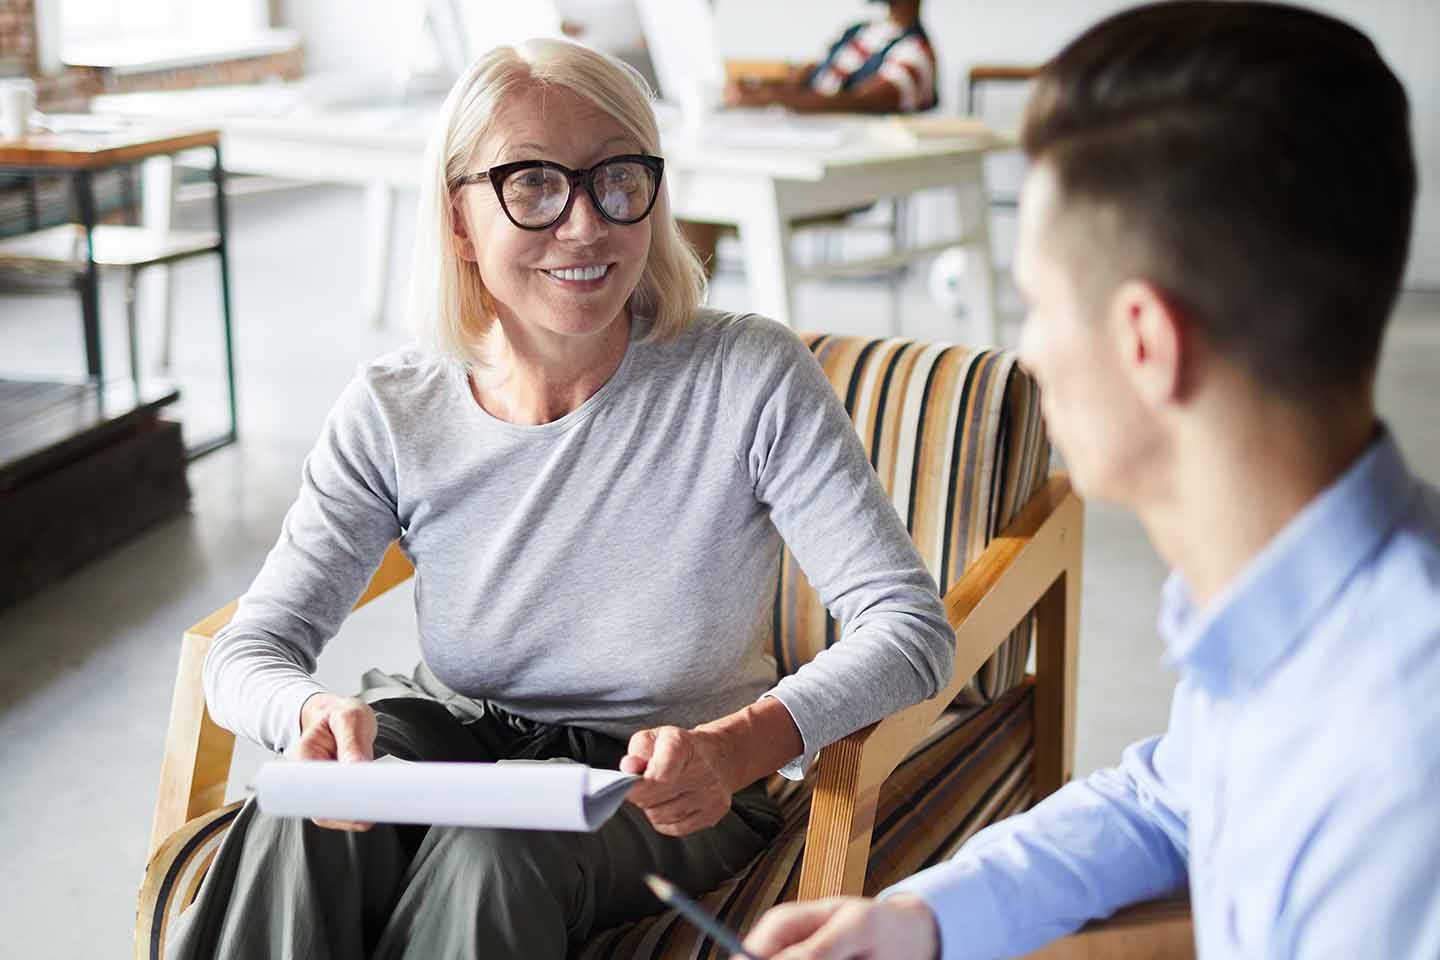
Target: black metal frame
{"points": [[88, 286], [586, 176]]}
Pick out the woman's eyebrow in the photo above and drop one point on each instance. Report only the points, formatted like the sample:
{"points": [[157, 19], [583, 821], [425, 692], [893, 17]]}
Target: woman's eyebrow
{"points": [[511, 152]]}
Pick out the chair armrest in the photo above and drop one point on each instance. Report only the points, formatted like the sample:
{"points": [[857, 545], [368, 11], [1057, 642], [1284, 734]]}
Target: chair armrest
{"points": [[1158, 930], [1010, 578], [196, 767]]}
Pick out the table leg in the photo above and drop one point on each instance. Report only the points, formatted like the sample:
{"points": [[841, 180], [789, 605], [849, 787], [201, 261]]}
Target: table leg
{"points": [[90, 291], [973, 208], [765, 238], [379, 217], [157, 205], [222, 249]]}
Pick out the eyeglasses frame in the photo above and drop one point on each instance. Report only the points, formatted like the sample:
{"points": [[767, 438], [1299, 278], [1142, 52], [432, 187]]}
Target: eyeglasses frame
{"points": [[584, 176]]}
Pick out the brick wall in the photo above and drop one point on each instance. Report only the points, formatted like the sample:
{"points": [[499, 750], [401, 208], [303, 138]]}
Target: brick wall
{"points": [[17, 37], [71, 89]]}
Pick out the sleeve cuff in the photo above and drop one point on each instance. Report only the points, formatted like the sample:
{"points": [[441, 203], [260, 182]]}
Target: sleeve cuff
{"points": [[970, 925], [797, 768], [286, 710]]}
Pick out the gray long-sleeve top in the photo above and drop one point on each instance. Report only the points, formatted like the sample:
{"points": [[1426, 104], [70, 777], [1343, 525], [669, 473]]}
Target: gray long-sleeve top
{"points": [[614, 569]]}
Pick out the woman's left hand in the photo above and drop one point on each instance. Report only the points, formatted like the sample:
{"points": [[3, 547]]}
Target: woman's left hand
{"points": [[685, 786]]}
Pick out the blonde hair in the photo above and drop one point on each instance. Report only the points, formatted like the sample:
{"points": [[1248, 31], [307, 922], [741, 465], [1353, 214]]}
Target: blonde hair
{"points": [[450, 307]]}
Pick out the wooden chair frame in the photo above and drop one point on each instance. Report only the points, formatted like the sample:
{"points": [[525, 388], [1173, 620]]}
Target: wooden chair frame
{"points": [[1034, 564]]}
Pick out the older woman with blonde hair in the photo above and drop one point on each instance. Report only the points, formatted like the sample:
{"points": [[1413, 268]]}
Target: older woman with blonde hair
{"points": [[592, 475]]}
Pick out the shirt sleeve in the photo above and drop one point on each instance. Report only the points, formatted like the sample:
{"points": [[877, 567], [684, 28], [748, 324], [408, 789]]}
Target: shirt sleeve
{"points": [[1115, 838], [910, 69], [809, 468], [258, 672]]}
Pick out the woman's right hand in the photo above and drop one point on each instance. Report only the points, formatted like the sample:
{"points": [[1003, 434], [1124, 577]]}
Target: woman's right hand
{"points": [[336, 728]]}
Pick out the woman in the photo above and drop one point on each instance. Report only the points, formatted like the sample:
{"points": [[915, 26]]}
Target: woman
{"points": [[592, 476]]}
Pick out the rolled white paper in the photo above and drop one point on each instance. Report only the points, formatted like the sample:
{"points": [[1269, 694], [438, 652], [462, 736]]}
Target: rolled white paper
{"points": [[523, 796]]}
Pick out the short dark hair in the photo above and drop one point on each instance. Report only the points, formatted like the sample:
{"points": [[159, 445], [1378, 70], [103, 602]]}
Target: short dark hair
{"points": [[1258, 158]]}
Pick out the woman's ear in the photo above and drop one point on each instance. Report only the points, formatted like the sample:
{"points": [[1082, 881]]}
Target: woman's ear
{"points": [[464, 246]]}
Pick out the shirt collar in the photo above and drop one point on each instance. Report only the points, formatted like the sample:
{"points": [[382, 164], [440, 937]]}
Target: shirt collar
{"points": [[1277, 597]]}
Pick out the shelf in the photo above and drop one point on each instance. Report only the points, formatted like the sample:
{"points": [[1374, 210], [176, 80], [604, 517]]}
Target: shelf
{"points": [[44, 423], [115, 246]]}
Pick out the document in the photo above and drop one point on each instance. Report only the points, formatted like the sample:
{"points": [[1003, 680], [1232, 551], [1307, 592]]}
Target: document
{"points": [[520, 795]]}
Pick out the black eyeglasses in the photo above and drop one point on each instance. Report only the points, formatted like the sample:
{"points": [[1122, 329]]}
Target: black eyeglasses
{"points": [[537, 194]]}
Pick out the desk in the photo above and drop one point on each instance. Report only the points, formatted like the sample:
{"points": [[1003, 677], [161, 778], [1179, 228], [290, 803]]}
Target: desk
{"points": [[80, 149], [713, 176]]}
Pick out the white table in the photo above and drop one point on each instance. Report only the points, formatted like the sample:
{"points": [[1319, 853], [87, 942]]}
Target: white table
{"points": [[745, 171]]}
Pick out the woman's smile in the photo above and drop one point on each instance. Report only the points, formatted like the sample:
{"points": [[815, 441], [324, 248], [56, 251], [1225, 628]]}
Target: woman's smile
{"points": [[580, 278]]}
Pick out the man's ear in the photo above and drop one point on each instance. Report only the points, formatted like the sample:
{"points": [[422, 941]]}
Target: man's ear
{"points": [[464, 246], [1151, 338]]}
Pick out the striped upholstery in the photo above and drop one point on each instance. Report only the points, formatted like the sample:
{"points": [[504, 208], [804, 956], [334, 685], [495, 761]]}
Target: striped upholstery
{"points": [[973, 769], [173, 876], [955, 436]]}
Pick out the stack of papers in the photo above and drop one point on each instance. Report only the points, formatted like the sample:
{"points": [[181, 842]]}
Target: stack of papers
{"points": [[523, 795]]}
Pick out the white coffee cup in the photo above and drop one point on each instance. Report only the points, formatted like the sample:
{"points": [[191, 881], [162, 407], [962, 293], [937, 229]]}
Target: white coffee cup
{"points": [[17, 102]]}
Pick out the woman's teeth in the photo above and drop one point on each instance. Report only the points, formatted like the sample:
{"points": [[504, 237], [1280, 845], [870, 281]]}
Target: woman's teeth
{"points": [[580, 273]]}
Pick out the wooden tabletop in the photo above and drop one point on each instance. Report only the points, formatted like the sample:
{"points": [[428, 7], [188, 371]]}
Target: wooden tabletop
{"points": [[101, 142]]}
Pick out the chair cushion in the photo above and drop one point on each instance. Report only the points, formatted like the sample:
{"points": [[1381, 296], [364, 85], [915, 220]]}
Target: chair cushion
{"points": [[972, 769], [955, 435]]}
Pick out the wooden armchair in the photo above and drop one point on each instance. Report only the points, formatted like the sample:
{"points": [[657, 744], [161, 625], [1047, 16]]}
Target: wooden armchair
{"points": [[1004, 539]]}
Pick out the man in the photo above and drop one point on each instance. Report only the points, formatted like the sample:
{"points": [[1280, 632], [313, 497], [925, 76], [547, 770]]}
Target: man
{"points": [[1212, 236], [884, 65]]}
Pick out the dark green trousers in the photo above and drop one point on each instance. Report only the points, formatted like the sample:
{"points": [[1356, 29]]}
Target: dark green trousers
{"points": [[283, 887]]}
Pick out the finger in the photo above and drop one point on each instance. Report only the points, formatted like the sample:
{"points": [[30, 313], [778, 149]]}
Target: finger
{"points": [[354, 731], [697, 821], [683, 816], [788, 924], [672, 755], [349, 826], [316, 743], [846, 934], [688, 812], [674, 809], [632, 764], [642, 744], [647, 794]]}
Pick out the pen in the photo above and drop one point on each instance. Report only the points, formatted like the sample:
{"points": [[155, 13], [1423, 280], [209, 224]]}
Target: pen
{"points": [[669, 895]]}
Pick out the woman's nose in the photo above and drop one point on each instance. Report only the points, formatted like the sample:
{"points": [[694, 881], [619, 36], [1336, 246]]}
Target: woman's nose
{"points": [[583, 222]]}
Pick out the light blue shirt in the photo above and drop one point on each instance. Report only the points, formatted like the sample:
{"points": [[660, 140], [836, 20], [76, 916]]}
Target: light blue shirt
{"points": [[1297, 790]]}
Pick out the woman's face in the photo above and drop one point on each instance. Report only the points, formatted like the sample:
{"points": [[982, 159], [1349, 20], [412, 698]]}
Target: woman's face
{"points": [[521, 268]]}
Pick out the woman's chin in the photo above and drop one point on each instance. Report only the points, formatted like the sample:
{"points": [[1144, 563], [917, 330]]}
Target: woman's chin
{"points": [[581, 319]]}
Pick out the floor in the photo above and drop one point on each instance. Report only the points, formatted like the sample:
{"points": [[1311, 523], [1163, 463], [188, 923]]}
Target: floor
{"points": [[90, 661]]}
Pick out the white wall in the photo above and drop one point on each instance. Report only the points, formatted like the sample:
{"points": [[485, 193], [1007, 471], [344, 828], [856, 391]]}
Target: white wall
{"points": [[1028, 31], [359, 35]]}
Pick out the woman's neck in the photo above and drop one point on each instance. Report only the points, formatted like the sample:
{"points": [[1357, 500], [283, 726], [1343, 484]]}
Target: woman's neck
{"points": [[530, 377]]}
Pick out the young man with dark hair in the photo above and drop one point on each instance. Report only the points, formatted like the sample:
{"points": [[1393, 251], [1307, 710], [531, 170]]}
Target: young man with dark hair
{"points": [[1212, 236]]}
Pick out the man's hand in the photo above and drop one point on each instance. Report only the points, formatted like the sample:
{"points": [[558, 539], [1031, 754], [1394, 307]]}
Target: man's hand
{"points": [[847, 928], [336, 728], [686, 786]]}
